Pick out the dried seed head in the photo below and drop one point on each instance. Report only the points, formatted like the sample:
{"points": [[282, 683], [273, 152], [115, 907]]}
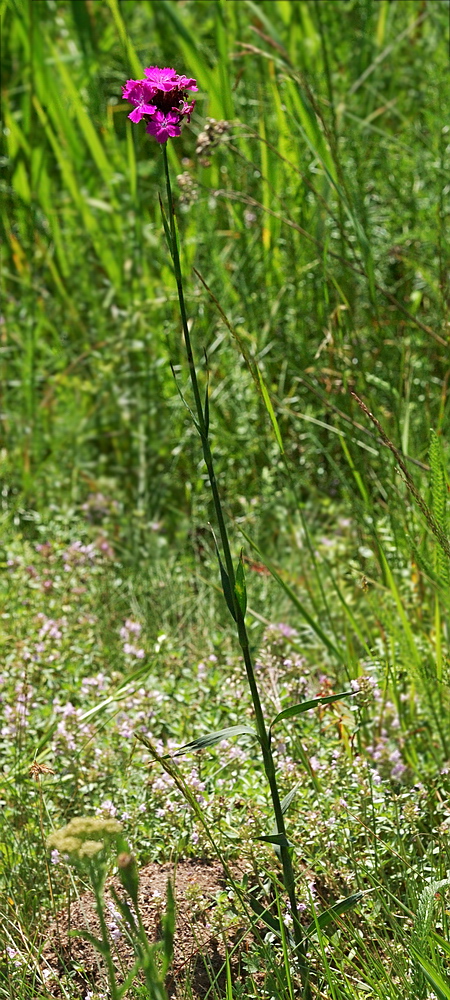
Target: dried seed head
{"points": [[188, 189], [213, 133], [36, 770]]}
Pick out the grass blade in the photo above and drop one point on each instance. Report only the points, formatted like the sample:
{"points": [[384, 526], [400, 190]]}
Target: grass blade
{"points": [[208, 740], [305, 706]]}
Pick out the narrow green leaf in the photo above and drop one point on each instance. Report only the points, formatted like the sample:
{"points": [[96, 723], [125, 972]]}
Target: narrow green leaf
{"points": [[289, 798], [230, 992], [441, 942], [168, 927], [211, 738], [304, 706], [128, 982], [409, 633], [83, 25], [269, 27], [45, 738], [183, 400], [264, 915], [305, 118], [20, 183], [90, 134], [206, 407], [440, 985], [226, 587], [284, 808], [136, 66], [206, 741], [194, 60], [240, 588], [124, 909], [308, 124], [166, 225], [329, 915], [15, 138], [348, 611], [279, 839], [132, 165], [285, 946], [270, 410], [94, 941], [90, 223]]}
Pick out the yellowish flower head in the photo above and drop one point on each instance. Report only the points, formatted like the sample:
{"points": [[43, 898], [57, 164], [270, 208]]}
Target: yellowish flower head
{"points": [[84, 836]]}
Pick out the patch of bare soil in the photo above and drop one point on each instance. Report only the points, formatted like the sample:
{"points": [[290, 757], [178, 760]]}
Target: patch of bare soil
{"points": [[199, 948]]}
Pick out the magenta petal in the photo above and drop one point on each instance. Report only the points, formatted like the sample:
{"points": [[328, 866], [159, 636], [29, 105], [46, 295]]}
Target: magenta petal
{"points": [[136, 115], [171, 118], [133, 91], [148, 90], [128, 88], [164, 79], [164, 127], [187, 83]]}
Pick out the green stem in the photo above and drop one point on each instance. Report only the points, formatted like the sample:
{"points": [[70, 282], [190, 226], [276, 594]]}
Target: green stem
{"points": [[156, 988], [269, 766], [99, 905]]}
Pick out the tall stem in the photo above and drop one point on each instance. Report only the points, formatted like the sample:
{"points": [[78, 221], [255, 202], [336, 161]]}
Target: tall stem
{"points": [[100, 907], [263, 735]]}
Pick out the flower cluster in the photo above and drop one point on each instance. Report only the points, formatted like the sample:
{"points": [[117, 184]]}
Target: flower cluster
{"points": [[161, 100], [128, 631], [16, 713], [280, 667], [114, 920], [84, 836], [97, 507]]}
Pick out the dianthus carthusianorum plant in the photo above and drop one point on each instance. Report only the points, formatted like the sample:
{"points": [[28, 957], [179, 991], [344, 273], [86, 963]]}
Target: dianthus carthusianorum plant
{"points": [[160, 99]]}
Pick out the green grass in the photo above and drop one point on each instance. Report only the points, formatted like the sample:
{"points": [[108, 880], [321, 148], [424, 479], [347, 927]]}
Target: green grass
{"points": [[319, 242]]}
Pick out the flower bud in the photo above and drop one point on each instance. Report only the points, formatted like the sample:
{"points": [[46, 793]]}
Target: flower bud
{"points": [[128, 874]]}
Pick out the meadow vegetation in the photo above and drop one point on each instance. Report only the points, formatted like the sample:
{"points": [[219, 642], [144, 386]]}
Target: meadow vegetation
{"points": [[312, 201]]}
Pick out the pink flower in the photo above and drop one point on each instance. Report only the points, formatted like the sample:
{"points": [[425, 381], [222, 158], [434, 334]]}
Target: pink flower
{"points": [[163, 127], [161, 100], [139, 93], [162, 79]]}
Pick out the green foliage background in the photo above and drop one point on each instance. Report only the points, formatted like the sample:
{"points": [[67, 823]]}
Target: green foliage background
{"points": [[320, 228]]}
